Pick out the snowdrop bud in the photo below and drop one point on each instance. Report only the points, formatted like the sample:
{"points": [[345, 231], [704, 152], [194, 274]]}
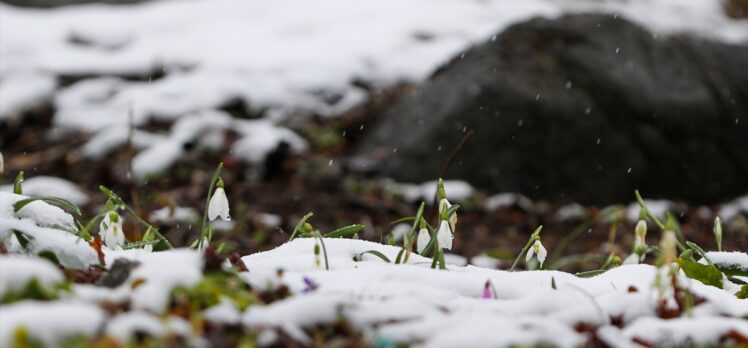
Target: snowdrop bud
{"points": [[668, 247], [316, 255], [718, 233], [539, 250], [423, 240], [640, 234], [441, 193], [444, 235], [110, 230], [219, 204]]}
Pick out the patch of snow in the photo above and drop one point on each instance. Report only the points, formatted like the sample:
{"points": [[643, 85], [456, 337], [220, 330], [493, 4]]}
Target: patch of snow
{"points": [[16, 271], [124, 326], [731, 210], [173, 215], [508, 200], [729, 258], [38, 186], [257, 139], [682, 331], [49, 322], [48, 228], [485, 261], [268, 220], [399, 231], [158, 274], [657, 208], [22, 90], [110, 139], [456, 190], [574, 211], [454, 259], [414, 303], [225, 312]]}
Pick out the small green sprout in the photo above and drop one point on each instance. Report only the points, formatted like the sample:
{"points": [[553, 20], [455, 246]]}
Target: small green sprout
{"points": [[718, 233]]}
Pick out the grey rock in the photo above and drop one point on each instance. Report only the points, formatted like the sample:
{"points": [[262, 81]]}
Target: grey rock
{"points": [[584, 107]]}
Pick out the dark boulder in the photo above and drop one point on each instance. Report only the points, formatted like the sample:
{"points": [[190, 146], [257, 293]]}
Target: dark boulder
{"points": [[586, 107]]}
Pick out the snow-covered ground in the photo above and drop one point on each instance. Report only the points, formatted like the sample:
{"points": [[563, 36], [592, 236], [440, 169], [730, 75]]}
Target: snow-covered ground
{"points": [[388, 303], [280, 58]]}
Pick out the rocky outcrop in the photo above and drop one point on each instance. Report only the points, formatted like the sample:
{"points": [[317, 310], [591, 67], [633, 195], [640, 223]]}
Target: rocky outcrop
{"points": [[588, 107]]}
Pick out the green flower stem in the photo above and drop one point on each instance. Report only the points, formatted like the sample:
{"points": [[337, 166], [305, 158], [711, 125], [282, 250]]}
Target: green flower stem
{"points": [[533, 237], [204, 230], [118, 202]]}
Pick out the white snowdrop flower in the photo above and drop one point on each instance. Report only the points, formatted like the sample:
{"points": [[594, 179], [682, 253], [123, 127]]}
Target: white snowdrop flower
{"points": [[537, 248], [444, 235], [423, 240], [111, 231], [219, 204]]}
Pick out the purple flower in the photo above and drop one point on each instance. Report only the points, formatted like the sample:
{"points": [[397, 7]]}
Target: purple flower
{"points": [[311, 285], [488, 290]]}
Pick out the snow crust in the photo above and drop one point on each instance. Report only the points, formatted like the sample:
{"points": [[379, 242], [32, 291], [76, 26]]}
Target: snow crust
{"points": [[413, 303]]}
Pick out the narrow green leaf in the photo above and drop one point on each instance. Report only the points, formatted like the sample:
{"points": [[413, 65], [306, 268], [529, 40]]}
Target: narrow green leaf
{"points": [[699, 250], [299, 225], [17, 189], [399, 256], [345, 231], [590, 274], [23, 238], [63, 203], [707, 274], [375, 253]]}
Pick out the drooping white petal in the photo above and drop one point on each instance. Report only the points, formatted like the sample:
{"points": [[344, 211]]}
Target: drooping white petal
{"points": [[530, 252], [219, 205], [444, 235], [423, 240], [110, 231], [542, 253]]}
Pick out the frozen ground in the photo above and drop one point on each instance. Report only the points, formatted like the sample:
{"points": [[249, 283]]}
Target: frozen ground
{"points": [[408, 303], [279, 58]]}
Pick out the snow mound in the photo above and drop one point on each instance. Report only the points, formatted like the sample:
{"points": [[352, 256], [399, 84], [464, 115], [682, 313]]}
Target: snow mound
{"points": [[46, 228], [49, 322], [39, 186], [435, 308], [16, 271]]}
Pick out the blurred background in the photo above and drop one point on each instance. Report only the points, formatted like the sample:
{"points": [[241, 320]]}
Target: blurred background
{"points": [[536, 112]]}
